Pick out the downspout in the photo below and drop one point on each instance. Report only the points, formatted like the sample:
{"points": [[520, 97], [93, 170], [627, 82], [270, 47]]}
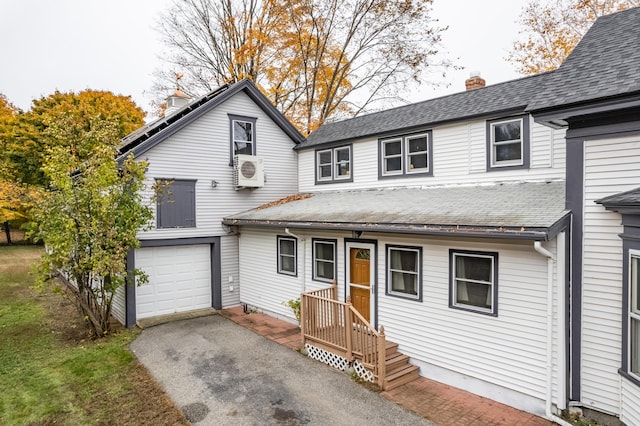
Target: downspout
{"points": [[304, 259], [537, 245]]}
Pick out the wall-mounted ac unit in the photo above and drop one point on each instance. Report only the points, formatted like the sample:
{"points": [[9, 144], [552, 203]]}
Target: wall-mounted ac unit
{"points": [[248, 171]]}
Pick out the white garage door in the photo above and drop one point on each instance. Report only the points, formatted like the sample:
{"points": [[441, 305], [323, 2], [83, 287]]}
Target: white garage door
{"points": [[179, 279]]}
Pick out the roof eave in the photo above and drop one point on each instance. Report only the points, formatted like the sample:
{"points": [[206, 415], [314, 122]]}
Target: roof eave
{"points": [[558, 116], [503, 232], [417, 127], [169, 127]]}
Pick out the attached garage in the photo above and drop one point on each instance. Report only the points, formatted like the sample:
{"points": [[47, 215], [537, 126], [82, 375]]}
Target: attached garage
{"points": [[179, 279]]}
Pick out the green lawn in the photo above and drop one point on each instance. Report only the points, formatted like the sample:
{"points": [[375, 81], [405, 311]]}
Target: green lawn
{"points": [[51, 374]]}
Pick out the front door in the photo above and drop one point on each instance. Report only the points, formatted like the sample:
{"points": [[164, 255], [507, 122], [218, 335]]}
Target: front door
{"points": [[360, 274]]}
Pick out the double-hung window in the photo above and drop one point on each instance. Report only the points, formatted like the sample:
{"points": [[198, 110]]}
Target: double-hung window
{"points": [[406, 155], [287, 255], [176, 203], [634, 314], [324, 260], [404, 278], [474, 282], [333, 164], [508, 143], [242, 135]]}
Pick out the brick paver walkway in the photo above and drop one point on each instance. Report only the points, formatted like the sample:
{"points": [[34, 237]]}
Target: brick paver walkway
{"points": [[442, 404]]}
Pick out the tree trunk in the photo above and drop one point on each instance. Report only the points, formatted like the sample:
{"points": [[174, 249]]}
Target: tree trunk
{"points": [[7, 230]]}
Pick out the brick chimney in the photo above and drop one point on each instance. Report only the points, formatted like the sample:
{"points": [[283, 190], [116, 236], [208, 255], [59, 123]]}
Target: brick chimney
{"points": [[475, 81]]}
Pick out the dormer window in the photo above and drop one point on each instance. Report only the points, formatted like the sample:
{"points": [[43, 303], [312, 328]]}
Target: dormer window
{"points": [[406, 155], [242, 135], [334, 165], [508, 143]]}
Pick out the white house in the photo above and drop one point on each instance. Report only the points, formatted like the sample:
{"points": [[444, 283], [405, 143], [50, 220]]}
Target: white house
{"points": [[499, 242], [494, 233], [228, 151]]}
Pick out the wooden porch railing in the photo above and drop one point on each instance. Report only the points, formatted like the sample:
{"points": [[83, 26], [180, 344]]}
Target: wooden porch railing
{"points": [[337, 327]]}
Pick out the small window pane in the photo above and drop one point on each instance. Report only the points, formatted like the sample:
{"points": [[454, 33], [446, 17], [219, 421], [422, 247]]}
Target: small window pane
{"points": [[507, 152], [325, 171], [506, 131], [287, 264], [286, 247], [418, 161], [324, 251], [474, 268], [393, 164], [244, 148], [343, 162], [392, 148], [474, 294], [324, 157], [242, 131], [418, 144]]}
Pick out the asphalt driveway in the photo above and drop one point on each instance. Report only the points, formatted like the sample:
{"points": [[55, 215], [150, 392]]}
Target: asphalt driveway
{"points": [[220, 373]]}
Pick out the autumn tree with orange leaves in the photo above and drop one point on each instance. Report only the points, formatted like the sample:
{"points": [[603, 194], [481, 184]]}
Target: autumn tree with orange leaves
{"points": [[551, 29], [314, 59]]}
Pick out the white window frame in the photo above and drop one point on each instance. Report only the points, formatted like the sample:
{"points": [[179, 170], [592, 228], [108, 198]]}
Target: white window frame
{"points": [[233, 119], [385, 157], [334, 263], [293, 256], [633, 316], [409, 154], [334, 164], [417, 272], [453, 282], [319, 165], [507, 163]]}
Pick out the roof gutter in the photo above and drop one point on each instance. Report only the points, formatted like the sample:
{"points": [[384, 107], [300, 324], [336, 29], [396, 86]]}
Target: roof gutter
{"points": [[520, 233]]}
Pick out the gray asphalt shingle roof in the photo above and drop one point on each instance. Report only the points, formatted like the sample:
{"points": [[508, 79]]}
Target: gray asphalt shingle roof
{"points": [[508, 96], [623, 199], [523, 210], [606, 63]]}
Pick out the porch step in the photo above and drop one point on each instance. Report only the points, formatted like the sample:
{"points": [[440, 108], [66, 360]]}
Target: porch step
{"points": [[396, 360], [401, 376], [390, 349], [398, 369]]}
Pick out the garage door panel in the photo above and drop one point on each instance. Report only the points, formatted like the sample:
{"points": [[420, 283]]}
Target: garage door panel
{"points": [[179, 279]]}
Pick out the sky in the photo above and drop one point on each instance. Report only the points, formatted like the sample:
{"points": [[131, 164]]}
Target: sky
{"points": [[72, 45]]}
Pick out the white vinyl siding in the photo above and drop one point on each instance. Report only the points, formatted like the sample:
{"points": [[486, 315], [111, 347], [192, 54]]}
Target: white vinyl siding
{"points": [[118, 307], [611, 166], [503, 358], [459, 157], [630, 399], [229, 274], [200, 151]]}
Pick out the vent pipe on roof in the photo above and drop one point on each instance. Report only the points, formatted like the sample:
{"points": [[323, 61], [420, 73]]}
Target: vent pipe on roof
{"points": [[475, 81]]}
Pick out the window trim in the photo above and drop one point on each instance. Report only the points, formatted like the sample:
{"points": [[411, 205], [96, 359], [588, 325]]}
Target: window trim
{"points": [[631, 254], [525, 144], [334, 165], [333, 242], [494, 285], [195, 205], [280, 238], [388, 290], [404, 155], [246, 119]]}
